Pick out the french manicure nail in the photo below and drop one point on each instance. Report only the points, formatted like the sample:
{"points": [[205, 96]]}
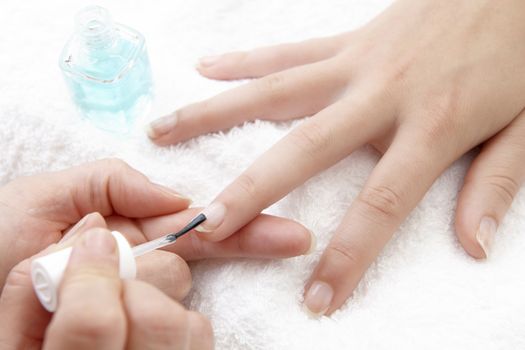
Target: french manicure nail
{"points": [[75, 229], [486, 233], [99, 242], [208, 61], [313, 244], [215, 214], [318, 298], [161, 126]]}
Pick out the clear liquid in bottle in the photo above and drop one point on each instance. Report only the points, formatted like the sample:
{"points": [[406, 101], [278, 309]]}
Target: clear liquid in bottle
{"points": [[107, 70]]}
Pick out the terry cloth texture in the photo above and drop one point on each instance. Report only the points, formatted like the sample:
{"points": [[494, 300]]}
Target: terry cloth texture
{"points": [[423, 292]]}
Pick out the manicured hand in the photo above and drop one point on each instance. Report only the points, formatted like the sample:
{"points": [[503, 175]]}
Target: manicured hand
{"points": [[424, 82]]}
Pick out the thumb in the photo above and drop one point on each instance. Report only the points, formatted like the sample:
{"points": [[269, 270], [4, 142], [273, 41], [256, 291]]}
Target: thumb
{"points": [[490, 187], [90, 314]]}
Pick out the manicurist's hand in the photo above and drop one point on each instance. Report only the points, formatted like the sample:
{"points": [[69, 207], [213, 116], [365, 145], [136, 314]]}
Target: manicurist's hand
{"points": [[96, 309], [40, 210], [423, 83]]}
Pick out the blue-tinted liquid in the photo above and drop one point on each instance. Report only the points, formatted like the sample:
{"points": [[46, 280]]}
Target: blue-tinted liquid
{"points": [[111, 86]]}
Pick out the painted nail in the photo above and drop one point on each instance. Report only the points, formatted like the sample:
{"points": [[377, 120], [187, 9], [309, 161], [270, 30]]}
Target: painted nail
{"points": [[173, 193], [318, 298], [161, 126], [75, 229], [99, 242], [486, 233], [313, 244], [215, 214], [208, 61]]}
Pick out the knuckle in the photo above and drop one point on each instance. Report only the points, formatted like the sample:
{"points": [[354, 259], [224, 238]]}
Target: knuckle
{"points": [[180, 275], [273, 87], [109, 168], [443, 118], [156, 319], [88, 324], [381, 201], [311, 139], [18, 276], [438, 128], [247, 184], [115, 164], [201, 326], [197, 250], [344, 256], [504, 186]]}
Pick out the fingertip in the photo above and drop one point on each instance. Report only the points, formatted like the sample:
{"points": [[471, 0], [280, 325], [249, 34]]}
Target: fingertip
{"points": [[466, 230], [215, 214], [150, 132], [162, 126], [476, 222], [275, 237], [205, 66], [165, 140], [318, 298], [313, 243], [228, 66], [172, 194], [208, 61], [486, 234], [201, 332], [295, 239]]}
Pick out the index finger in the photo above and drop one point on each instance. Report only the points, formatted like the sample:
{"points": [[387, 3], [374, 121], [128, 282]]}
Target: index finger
{"points": [[318, 143]]}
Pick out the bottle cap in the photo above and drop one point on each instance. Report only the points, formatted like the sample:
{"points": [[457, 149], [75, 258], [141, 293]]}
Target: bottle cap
{"points": [[47, 271]]}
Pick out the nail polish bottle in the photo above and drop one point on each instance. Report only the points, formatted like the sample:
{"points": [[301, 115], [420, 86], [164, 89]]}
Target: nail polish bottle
{"points": [[47, 271], [107, 70]]}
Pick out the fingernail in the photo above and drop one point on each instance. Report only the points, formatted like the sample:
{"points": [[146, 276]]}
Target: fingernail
{"points": [[180, 196], [215, 214], [173, 193], [161, 126], [99, 242], [313, 244], [486, 233], [75, 229], [318, 298], [208, 61]]}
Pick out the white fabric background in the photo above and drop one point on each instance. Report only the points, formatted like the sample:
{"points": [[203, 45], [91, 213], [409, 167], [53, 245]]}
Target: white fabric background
{"points": [[422, 292]]}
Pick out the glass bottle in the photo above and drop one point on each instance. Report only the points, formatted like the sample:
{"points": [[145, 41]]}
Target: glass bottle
{"points": [[107, 70]]}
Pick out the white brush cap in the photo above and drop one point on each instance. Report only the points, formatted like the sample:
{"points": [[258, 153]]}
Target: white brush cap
{"points": [[47, 271]]}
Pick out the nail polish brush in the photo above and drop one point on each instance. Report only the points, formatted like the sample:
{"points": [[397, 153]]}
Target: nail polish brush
{"points": [[47, 271], [168, 239]]}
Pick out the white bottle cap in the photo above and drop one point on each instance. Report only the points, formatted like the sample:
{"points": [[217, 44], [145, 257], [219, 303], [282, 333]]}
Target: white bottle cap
{"points": [[47, 271]]}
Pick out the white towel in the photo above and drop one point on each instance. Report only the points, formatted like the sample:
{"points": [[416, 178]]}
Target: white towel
{"points": [[422, 292]]}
